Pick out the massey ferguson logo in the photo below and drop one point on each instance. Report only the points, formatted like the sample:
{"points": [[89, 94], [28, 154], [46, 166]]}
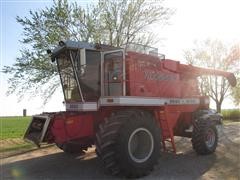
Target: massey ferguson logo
{"points": [[158, 76]]}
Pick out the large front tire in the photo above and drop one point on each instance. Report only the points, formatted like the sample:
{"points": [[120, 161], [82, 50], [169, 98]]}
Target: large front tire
{"points": [[128, 143]]}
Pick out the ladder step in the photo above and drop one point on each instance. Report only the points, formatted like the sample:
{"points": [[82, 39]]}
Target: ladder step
{"points": [[167, 133]]}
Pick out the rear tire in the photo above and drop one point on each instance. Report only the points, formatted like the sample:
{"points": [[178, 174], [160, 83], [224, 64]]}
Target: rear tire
{"points": [[128, 143], [204, 136]]}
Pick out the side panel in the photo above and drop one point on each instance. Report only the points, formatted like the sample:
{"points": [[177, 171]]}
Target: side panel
{"points": [[147, 76], [69, 127], [179, 114]]}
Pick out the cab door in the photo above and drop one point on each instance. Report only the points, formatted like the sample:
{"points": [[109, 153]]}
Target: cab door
{"points": [[113, 80]]}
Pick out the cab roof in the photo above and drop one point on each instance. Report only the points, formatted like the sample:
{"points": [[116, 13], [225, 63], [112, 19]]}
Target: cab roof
{"points": [[75, 45]]}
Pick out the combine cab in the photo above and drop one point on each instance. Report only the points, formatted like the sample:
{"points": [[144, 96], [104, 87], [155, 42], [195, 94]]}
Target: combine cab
{"points": [[130, 105]]}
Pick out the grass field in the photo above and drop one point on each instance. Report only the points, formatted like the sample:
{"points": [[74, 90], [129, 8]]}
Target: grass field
{"points": [[233, 114], [12, 130], [13, 127]]}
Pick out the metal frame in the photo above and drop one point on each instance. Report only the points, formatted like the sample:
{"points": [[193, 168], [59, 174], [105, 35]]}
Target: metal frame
{"points": [[76, 76], [45, 127], [61, 80]]}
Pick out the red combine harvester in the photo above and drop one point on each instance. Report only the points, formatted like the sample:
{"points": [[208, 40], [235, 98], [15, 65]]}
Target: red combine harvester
{"points": [[129, 104]]}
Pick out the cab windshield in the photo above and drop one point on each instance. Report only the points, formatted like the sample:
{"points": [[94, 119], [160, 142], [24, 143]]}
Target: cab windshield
{"points": [[80, 72], [84, 82]]}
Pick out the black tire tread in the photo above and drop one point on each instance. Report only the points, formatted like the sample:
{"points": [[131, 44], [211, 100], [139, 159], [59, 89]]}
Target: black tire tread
{"points": [[198, 136], [106, 140]]}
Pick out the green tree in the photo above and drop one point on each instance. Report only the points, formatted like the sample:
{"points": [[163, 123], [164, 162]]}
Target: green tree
{"points": [[215, 55], [106, 21]]}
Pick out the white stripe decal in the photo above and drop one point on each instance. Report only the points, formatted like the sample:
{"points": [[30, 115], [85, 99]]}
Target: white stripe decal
{"points": [[142, 101], [87, 106], [129, 101]]}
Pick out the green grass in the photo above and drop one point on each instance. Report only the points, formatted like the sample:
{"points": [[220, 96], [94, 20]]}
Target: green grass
{"points": [[13, 127], [17, 147], [231, 114]]}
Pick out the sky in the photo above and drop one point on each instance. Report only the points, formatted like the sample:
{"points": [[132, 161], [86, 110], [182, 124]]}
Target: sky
{"points": [[193, 20]]}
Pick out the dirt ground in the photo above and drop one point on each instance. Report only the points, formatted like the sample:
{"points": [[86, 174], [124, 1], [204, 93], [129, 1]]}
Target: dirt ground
{"points": [[52, 163]]}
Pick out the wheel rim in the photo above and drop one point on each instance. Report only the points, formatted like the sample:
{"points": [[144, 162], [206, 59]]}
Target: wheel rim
{"points": [[140, 145], [210, 138]]}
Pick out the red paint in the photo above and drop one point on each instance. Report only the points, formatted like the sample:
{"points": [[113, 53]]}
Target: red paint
{"points": [[68, 126], [147, 76]]}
